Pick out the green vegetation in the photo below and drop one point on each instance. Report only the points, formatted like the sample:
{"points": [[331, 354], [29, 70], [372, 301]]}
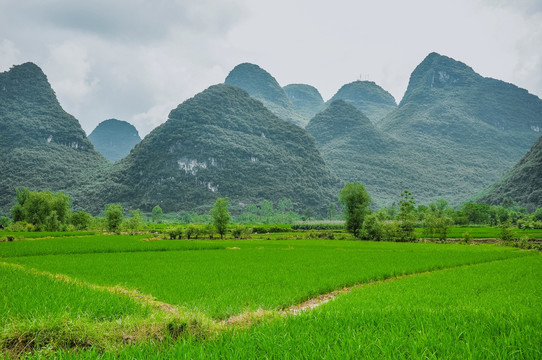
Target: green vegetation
{"points": [[44, 210], [522, 184], [254, 273], [221, 216], [263, 87], [210, 145], [114, 138], [306, 99], [89, 300], [355, 201], [481, 311], [41, 146], [369, 98], [113, 217], [157, 214]]}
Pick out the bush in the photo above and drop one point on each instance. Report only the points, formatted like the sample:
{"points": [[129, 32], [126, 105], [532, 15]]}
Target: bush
{"points": [[467, 238], [113, 217], [5, 221], [325, 234], [175, 233], [372, 229], [81, 220], [21, 226], [241, 232], [322, 226], [192, 232]]}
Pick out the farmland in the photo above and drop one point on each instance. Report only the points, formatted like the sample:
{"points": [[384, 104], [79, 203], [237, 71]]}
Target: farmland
{"points": [[109, 294]]}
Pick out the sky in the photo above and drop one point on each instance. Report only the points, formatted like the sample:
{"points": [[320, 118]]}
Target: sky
{"points": [[136, 60]]}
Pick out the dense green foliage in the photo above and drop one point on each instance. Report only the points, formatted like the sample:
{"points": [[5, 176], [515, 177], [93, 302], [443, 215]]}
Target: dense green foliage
{"points": [[157, 214], [356, 150], [522, 184], [355, 201], [223, 143], [369, 98], [114, 138], [113, 217], [41, 146], [305, 98], [453, 134], [263, 87], [43, 209], [460, 130], [221, 216]]}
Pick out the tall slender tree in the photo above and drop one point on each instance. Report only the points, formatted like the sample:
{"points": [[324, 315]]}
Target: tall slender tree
{"points": [[355, 201], [221, 216]]}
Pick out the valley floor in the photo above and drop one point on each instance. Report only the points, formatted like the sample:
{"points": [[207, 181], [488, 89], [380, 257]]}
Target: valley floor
{"points": [[111, 296]]}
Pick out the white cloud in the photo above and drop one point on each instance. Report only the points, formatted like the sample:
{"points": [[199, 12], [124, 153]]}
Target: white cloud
{"points": [[9, 54], [135, 60]]}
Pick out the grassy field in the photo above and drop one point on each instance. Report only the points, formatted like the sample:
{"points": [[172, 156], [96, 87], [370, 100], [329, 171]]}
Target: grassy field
{"points": [[103, 293]]}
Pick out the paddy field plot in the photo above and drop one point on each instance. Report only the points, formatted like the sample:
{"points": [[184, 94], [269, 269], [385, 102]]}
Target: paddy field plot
{"points": [[90, 283]]}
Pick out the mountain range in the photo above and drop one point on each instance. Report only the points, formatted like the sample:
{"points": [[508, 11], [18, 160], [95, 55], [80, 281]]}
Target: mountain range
{"points": [[453, 134]]}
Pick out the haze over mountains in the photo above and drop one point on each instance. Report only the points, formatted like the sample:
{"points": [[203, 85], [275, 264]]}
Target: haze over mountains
{"points": [[114, 138], [452, 135]]}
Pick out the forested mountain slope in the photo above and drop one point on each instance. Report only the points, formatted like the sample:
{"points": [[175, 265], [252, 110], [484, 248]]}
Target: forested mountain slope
{"points": [[462, 131], [42, 146], [369, 98], [263, 87], [522, 183], [223, 143], [306, 99]]}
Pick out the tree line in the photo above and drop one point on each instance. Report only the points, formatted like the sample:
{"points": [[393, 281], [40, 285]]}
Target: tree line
{"points": [[47, 211]]}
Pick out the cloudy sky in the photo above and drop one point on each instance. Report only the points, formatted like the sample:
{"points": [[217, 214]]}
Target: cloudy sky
{"points": [[135, 60]]}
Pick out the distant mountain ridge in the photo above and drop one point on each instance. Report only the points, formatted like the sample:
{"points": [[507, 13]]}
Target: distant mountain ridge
{"points": [[452, 135], [114, 138], [263, 87], [306, 99], [462, 129], [367, 97], [222, 142]]}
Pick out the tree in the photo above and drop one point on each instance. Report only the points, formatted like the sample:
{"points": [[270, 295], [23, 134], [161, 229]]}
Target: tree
{"points": [[81, 220], [113, 217], [355, 201], [331, 211], [157, 214], [134, 223], [266, 211], [406, 216], [221, 216], [43, 209]]}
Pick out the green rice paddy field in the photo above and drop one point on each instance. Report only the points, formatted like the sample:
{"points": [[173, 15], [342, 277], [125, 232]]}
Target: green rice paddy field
{"points": [[120, 296]]}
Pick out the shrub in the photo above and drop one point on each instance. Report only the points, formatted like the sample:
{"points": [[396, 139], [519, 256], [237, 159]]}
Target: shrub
{"points": [[467, 238], [192, 232], [175, 233]]}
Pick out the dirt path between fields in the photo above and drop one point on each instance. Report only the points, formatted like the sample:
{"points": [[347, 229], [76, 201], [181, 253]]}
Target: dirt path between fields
{"points": [[245, 319]]}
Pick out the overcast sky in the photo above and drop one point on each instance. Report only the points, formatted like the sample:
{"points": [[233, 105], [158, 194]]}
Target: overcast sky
{"points": [[135, 60]]}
